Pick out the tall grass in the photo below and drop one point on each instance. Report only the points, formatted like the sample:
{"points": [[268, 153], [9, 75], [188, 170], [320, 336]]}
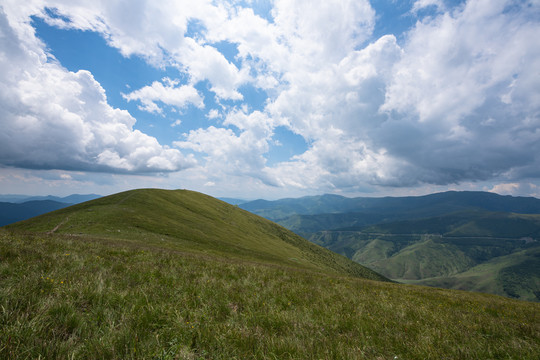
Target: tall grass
{"points": [[80, 297]]}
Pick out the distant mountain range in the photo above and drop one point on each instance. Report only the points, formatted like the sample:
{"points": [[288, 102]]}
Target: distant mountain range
{"points": [[233, 201], [15, 208], [463, 240], [71, 199], [393, 207]]}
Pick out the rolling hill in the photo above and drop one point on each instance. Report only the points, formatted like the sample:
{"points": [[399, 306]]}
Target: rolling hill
{"points": [[444, 250], [155, 274]]}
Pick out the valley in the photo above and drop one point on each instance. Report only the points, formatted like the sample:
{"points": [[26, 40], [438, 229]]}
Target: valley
{"points": [[443, 240]]}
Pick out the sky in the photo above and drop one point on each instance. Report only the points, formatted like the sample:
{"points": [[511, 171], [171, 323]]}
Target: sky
{"points": [[270, 99]]}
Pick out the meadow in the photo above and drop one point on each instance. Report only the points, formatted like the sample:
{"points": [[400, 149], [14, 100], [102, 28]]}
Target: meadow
{"points": [[68, 296]]}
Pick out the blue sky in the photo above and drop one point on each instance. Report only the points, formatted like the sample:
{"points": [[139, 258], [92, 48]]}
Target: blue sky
{"points": [[270, 99]]}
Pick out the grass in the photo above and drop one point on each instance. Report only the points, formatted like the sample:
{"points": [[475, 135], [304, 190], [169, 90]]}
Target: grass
{"points": [[85, 297], [186, 220], [516, 275]]}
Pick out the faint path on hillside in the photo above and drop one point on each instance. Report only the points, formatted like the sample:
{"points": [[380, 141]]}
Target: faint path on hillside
{"points": [[124, 199], [58, 226]]}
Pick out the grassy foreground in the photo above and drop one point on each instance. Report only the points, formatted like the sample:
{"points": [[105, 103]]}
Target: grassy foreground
{"points": [[86, 297]]}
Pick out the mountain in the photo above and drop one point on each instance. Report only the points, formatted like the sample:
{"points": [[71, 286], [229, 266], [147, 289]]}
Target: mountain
{"points": [[13, 198], [436, 240], [70, 199], [279, 209], [189, 220], [155, 274], [21, 207], [393, 208], [11, 212]]}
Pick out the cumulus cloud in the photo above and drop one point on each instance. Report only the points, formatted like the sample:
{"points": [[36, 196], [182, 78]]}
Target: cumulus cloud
{"points": [[455, 102], [52, 118], [204, 62], [232, 153], [464, 95], [167, 92]]}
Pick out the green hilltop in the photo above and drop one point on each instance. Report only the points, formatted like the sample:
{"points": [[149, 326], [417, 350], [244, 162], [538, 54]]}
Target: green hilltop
{"points": [[190, 221], [155, 274]]}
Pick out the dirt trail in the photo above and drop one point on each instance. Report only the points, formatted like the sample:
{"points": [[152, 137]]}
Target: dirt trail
{"points": [[58, 226]]}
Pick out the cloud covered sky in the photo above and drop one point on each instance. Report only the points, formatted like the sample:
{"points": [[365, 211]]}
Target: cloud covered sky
{"points": [[270, 99]]}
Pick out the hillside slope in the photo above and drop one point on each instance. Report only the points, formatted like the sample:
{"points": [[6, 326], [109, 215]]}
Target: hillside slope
{"points": [[445, 250], [83, 297], [190, 221]]}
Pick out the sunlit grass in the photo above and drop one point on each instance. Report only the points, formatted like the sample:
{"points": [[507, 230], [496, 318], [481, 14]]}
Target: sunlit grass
{"points": [[84, 297]]}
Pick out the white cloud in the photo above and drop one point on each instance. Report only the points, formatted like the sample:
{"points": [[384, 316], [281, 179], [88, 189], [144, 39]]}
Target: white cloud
{"points": [[213, 114], [169, 94], [454, 100], [463, 94], [423, 4], [324, 30], [524, 188], [52, 118], [204, 62], [231, 153]]}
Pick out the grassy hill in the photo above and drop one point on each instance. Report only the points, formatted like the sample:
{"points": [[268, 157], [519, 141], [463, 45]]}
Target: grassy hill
{"points": [[516, 275], [445, 250], [154, 274], [186, 220]]}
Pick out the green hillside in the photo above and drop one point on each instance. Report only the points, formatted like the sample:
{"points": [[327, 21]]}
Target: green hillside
{"points": [[516, 275], [448, 251], [189, 221], [468, 223]]}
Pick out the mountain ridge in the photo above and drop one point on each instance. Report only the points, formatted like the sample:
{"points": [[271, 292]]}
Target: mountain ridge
{"points": [[442, 202]]}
